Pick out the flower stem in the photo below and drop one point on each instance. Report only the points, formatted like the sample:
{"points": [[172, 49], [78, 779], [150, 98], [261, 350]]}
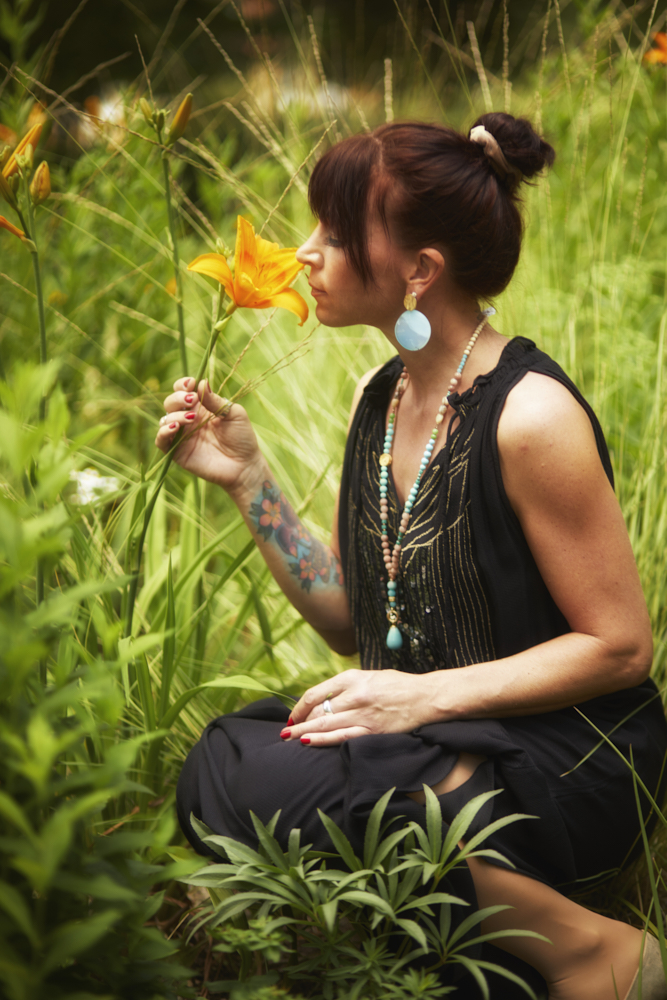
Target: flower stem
{"points": [[29, 229], [177, 264], [148, 510], [30, 233]]}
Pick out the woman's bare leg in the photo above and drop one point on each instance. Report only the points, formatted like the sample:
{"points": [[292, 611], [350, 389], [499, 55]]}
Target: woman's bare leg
{"points": [[585, 946]]}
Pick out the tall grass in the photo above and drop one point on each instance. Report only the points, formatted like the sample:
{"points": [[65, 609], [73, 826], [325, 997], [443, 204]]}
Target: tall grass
{"points": [[210, 628]]}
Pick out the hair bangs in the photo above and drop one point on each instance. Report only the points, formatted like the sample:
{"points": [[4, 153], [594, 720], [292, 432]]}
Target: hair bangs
{"points": [[339, 193]]}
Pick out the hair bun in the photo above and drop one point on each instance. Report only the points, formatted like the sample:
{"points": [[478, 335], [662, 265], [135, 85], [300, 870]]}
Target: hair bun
{"points": [[522, 147]]}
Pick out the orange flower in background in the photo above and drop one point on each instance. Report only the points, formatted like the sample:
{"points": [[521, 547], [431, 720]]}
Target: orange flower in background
{"points": [[658, 55], [262, 273], [37, 114], [6, 224], [31, 138], [7, 135]]}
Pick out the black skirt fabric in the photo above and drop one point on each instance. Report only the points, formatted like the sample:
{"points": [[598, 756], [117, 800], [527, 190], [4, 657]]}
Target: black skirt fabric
{"points": [[586, 818]]}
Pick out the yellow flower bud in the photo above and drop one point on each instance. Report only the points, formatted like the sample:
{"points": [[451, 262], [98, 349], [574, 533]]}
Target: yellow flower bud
{"points": [[5, 153], [181, 119], [40, 188], [147, 111], [7, 193]]}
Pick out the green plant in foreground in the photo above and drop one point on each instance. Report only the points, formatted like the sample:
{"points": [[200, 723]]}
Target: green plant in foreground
{"points": [[75, 891], [345, 928]]}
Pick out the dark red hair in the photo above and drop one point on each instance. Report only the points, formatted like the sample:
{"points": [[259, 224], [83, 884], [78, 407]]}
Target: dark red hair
{"points": [[431, 187]]}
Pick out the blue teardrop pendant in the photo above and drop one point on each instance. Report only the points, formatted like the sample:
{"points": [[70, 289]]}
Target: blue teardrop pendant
{"points": [[394, 638]]}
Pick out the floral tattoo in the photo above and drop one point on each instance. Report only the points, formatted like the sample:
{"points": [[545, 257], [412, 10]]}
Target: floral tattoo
{"points": [[309, 561]]}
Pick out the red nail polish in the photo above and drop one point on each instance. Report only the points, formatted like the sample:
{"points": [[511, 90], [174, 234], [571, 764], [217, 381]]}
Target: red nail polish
{"points": [[190, 396], [190, 416], [290, 721], [285, 734], [305, 740], [172, 427]]}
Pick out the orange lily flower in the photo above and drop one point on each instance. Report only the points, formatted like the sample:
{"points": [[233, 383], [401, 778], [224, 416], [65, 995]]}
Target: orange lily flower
{"points": [[659, 54], [31, 138], [14, 230], [262, 273]]}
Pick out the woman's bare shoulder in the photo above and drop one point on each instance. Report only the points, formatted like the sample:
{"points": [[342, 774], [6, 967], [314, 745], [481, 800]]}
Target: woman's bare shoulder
{"points": [[540, 411], [547, 447]]}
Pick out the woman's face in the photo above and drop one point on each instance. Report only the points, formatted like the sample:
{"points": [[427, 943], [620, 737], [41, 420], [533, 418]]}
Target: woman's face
{"points": [[342, 299]]}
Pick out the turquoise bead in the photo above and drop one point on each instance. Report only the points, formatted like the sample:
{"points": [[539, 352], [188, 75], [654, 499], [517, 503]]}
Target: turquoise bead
{"points": [[394, 638]]}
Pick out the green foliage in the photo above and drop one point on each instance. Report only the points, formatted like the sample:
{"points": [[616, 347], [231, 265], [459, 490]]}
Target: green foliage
{"points": [[346, 928], [74, 902]]}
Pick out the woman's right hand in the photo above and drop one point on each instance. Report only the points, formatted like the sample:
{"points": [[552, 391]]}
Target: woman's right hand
{"points": [[221, 449]]}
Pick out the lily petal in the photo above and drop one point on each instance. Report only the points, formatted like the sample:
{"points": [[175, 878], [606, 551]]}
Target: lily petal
{"points": [[291, 300], [215, 266], [245, 251]]}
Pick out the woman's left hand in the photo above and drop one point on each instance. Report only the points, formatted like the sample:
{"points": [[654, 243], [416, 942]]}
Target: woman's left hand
{"points": [[364, 703]]}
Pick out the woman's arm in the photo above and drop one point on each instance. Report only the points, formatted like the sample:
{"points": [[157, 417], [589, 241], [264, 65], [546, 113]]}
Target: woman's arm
{"points": [[225, 451], [573, 524]]}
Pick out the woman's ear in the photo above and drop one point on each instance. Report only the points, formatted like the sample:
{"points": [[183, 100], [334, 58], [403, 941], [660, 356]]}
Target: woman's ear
{"points": [[427, 269]]}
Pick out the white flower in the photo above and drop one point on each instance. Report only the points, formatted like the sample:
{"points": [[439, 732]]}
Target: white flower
{"points": [[91, 485]]}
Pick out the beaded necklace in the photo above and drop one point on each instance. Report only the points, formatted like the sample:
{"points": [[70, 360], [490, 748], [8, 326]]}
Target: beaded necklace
{"points": [[391, 558]]}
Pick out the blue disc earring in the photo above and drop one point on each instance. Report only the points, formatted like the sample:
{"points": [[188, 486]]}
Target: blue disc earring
{"points": [[412, 330]]}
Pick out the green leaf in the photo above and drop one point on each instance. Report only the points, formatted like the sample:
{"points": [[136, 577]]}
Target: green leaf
{"points": [[15, 815], [269, 843], [340, 842], [57, 609], [235, 681], [461, 822], [329, 911], [169, 647], [412, 928], [262, 616], [367, 899], [433, 822], [13, 903], [373, 829], [145, 692], [130, 647], [75, 937], [480, 964]]}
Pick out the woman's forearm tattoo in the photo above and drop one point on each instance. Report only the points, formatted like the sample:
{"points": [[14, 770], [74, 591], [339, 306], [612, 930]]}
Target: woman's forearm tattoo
{"points": [[308, 560]]}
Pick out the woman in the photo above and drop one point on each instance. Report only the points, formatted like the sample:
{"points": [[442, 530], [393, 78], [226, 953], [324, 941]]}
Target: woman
{"points": [[487, 578]]}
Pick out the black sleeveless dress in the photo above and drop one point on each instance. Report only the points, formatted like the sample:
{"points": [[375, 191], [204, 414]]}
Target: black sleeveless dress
{"points": [[470, 592]]}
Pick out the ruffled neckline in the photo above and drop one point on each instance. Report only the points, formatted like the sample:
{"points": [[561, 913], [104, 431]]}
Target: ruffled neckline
{"points": [[383, 382]]}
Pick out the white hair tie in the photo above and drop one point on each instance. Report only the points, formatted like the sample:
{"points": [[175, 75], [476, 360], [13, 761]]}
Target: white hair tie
{"points": [[489, 143]]}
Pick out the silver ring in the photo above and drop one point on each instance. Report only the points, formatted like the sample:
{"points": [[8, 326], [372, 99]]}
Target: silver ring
{"points": [[223, 410], [326, 707]]}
